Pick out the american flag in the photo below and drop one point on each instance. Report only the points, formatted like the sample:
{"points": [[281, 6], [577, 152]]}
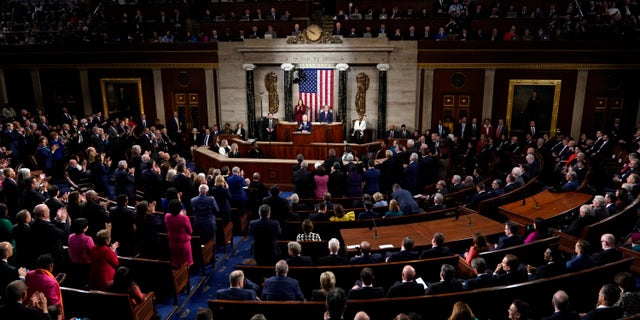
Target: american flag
{"points": [[316, 90]]}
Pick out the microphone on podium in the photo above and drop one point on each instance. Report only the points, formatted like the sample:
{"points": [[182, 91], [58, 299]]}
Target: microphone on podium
{"points": [[374, 227]]}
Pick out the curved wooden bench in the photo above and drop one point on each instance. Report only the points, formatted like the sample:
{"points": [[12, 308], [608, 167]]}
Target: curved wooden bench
{"points": [[100, 305], [328, 229], [619, 224], [157, 276], [486, 303], [528, 253], [385, 273]]}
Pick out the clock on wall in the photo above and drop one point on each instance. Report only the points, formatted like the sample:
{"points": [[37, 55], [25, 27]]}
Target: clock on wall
{"points": [[313, 32]]}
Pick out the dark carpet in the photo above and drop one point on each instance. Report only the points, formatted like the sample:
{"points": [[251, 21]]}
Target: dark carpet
{"points": [[205, 287]]}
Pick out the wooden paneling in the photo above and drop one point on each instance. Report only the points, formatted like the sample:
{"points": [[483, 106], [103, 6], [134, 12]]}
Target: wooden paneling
{"points": [[457, 96], [191, 82], [19, 89], [61, 88], [610, 85]]}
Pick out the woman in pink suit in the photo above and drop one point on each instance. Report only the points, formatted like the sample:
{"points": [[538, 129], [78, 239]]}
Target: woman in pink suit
{"points": [[42, 280], [104, 261], [321, 180], [179, 234]]}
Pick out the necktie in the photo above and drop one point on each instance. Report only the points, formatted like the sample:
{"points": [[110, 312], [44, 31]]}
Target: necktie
{"points": [[177, 123], [498, 131], [533, 131], [206, 140]]}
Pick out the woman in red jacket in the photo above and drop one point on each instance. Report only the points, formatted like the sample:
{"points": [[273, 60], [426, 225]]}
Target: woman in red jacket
{"points": [[104, 261]]}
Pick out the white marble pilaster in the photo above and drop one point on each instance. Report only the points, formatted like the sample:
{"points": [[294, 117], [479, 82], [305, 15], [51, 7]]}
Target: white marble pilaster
{"points": [[86, 91], [158, 94], [342, 66], [382, 67], [428, 97], [3, 88], [37, 88], [578, 103], [211, 97], [487, 101]]}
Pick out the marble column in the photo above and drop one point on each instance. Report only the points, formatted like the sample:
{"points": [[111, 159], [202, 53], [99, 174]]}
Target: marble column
{"points": [[158, 94], [341, 111], [251, 100], [288, 90], [578, 103], [86, 91], [487, 101], [37, 88], [3, 88], [428, 98], [382, 98], [212, 113]]}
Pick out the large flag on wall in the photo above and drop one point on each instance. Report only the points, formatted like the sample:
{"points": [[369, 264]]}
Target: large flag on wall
{"points": [[316, 90]]}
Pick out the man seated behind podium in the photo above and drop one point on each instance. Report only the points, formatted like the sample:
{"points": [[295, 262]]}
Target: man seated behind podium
{"points": [[326, 116], [304, 125]]}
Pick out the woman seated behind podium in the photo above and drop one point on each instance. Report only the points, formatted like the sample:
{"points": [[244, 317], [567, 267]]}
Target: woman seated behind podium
{"points": [[234, 151], [394, 209], [122, 283], [480, 244], [340, 215]]}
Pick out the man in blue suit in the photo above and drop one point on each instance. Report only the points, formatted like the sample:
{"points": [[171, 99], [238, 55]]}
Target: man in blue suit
{"points": [[236, 290], [407, 204], [296, 259], [265, 236], [607, 297], [411, 174], [280, 287], [304, 125], [326, 116]]}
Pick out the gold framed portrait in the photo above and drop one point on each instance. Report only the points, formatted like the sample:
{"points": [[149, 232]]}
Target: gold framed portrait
{"points": [[533, 100], [122, 96]]}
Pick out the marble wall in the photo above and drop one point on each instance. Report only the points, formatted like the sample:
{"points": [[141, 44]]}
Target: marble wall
{"points": [[362, 55]]}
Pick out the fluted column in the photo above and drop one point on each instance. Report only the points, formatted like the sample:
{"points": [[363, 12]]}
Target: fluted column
{"points": [[578, 103], [382, 98], [37, 88], [251, 99], [4, 99], [288, 91], [341, 111]]}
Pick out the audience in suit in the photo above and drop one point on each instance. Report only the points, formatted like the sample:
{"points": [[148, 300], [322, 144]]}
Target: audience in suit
{"points": [[582, 259], [407, 287], [333, 259], [448, 282], [609, 251], [280, 287], [509, 271], [364, 289], [265, 235], [606, 309], [296, 259], [561, 309], [17, 305], [483, 278], [511, 237], [365, 256], [585, 218], [8, 273], [553, 265], [405, 253], [407, 204], [236, 290], [438, 249]]}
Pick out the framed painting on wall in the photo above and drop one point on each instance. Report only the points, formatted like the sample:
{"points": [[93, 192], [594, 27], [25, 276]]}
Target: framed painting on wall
{"points": [[122, 97], [533, 100]]}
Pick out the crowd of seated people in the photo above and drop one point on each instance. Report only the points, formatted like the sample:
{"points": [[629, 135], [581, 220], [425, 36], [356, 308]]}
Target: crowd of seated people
{"points": [[75, 22], [50, 229]]}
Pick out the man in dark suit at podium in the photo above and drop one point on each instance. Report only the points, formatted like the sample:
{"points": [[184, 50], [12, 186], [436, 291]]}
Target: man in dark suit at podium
{"points": [[304, 125], [326, 116], [270, 127]]}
